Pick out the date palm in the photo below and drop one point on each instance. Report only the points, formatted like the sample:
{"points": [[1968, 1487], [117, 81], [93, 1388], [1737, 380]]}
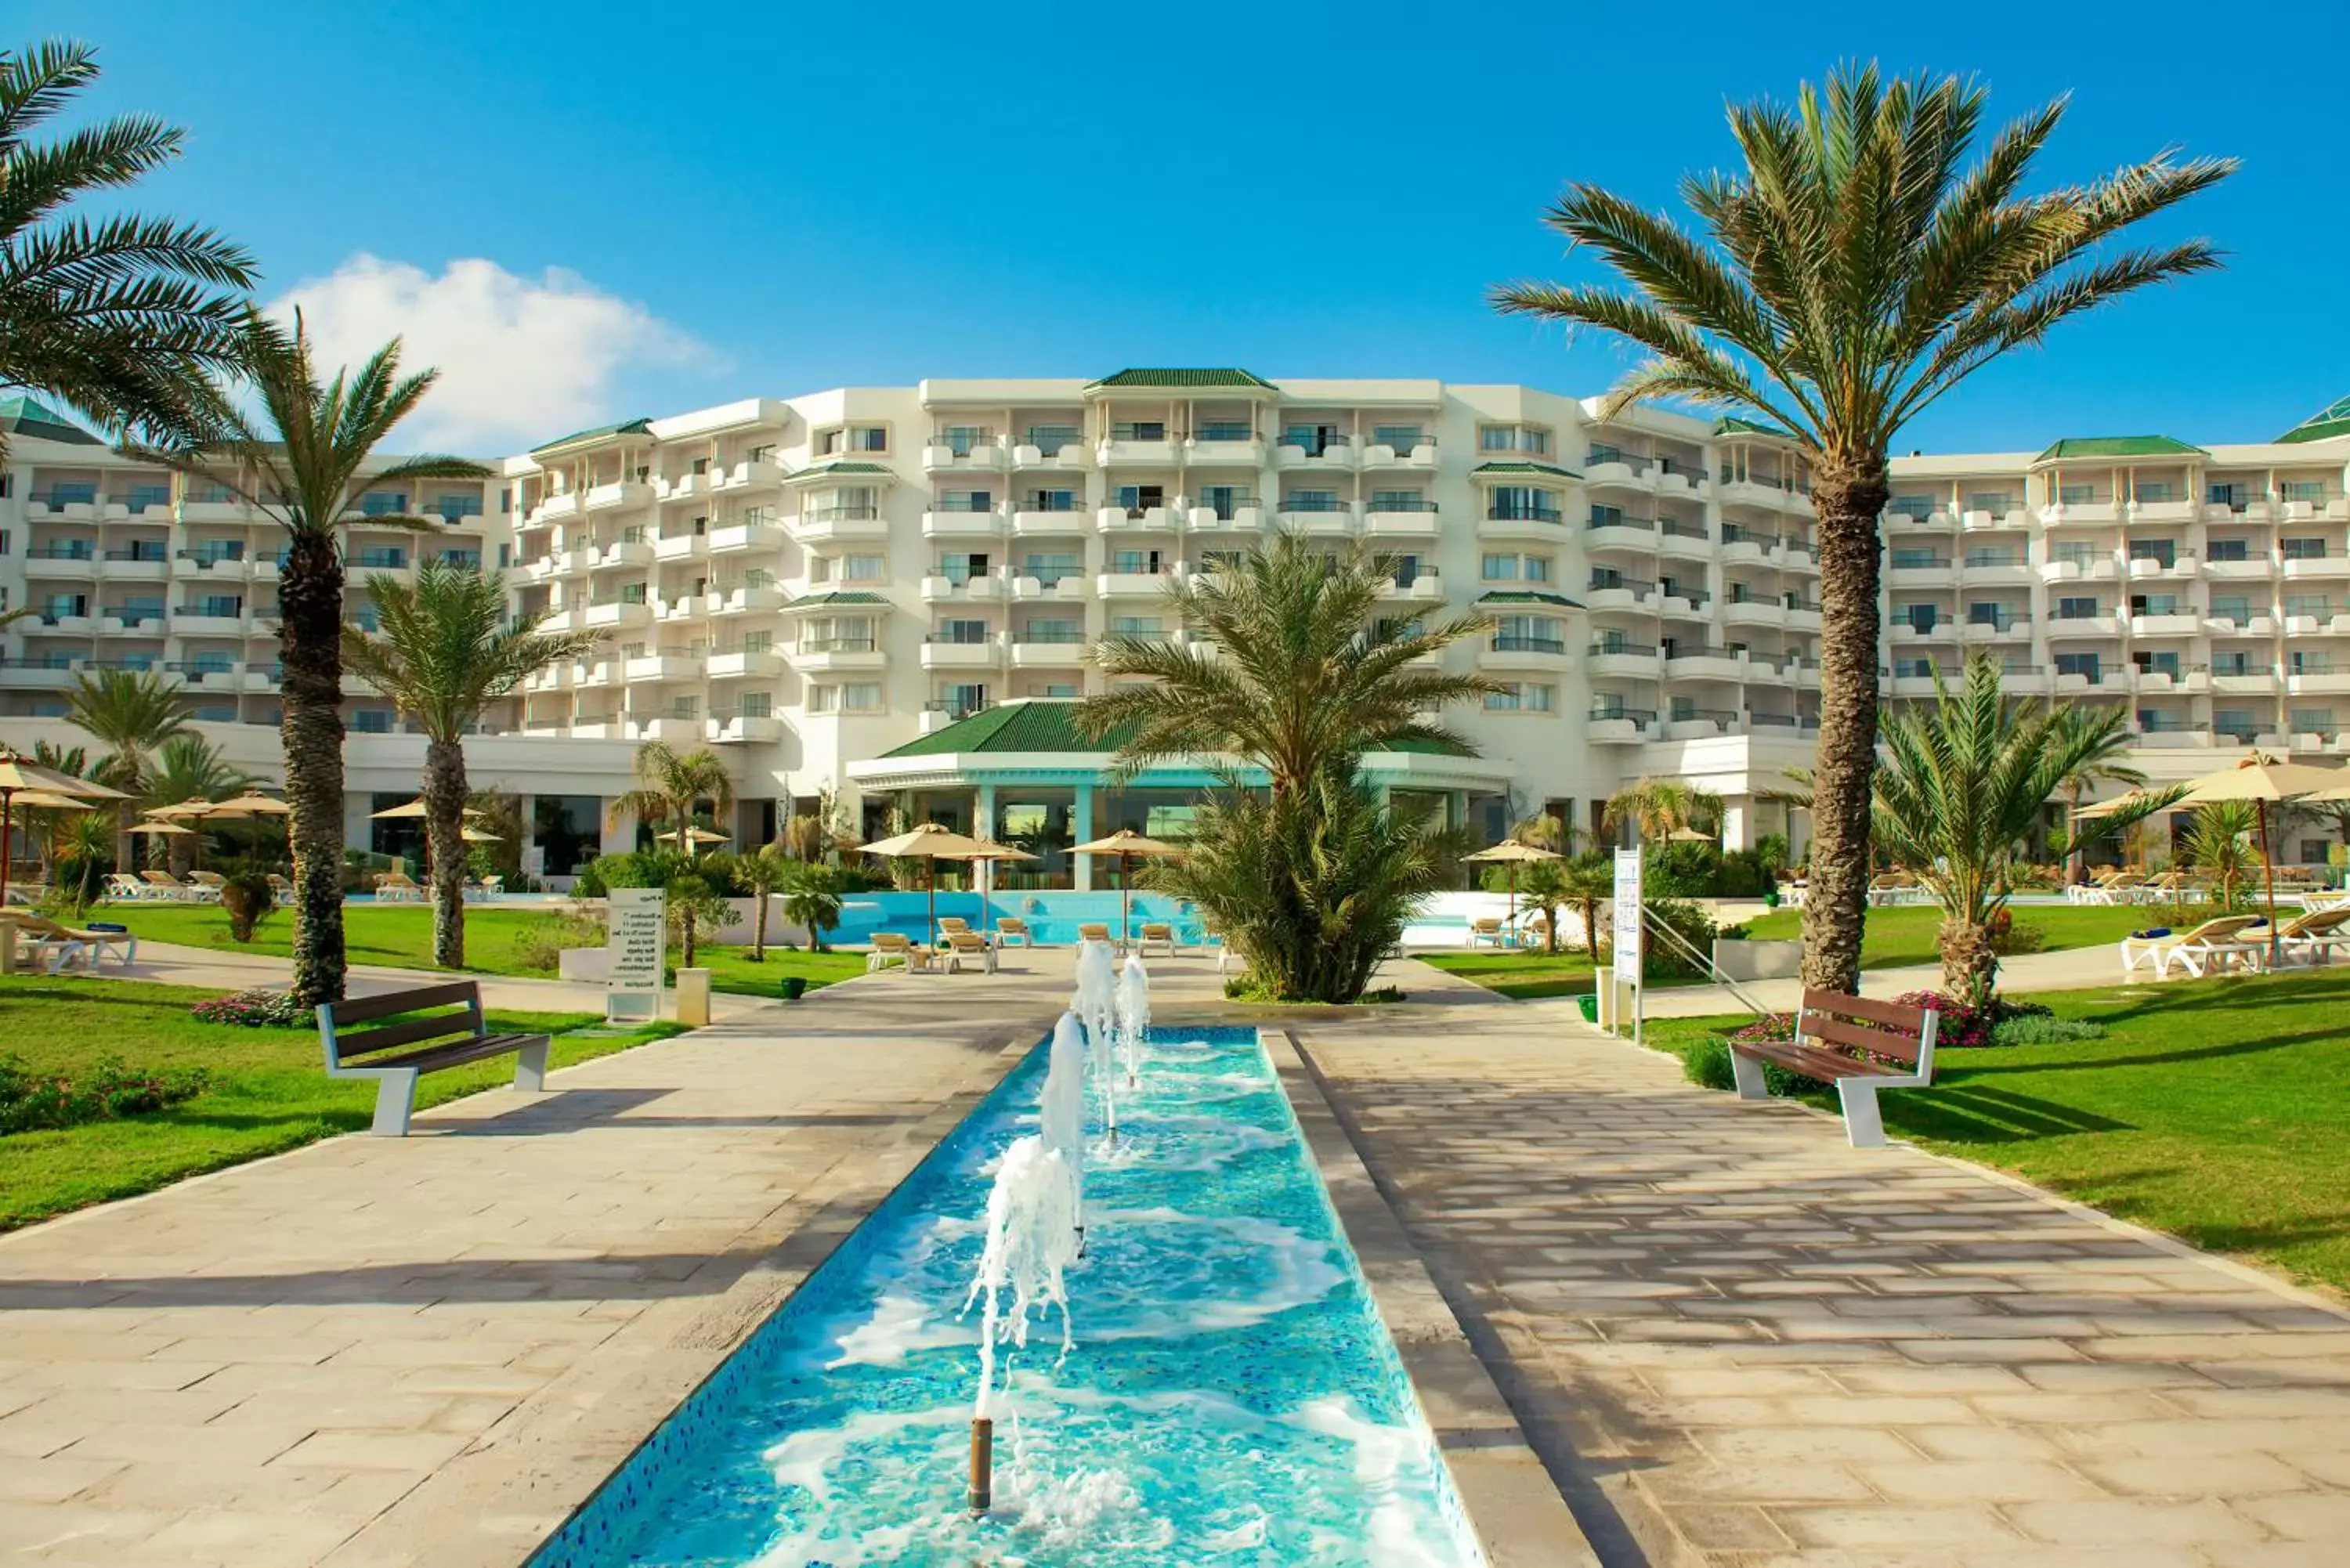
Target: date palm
{"points": [[123, 316], [444, 651], [1661, 807], [130, 712], [302, 459], [189, 767], [669, 784], [1856, 269], [1963, 785], [1305, 673]]}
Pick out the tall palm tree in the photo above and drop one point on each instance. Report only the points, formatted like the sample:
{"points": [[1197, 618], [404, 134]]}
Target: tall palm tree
{"points": [[668, 784], [1855, 270], [189, 767], [445, 652], [123, 316], [1962, 787], [2111, 765], [1661, 807], [130, 712], [1304, 671], [303, 461]]}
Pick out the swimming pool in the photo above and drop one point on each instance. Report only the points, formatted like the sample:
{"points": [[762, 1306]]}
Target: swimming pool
{"points": [[1232, 1396], [1053, 914]]}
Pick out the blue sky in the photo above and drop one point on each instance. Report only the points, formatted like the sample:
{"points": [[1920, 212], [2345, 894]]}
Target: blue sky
{"points": [[778, 199]]}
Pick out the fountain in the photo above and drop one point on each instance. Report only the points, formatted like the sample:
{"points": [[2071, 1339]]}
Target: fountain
{"points": [[1133, 1016], [1096, 1003]]}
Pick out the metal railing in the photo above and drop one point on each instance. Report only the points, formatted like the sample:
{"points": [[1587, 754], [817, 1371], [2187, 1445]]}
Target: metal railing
{"points": [[1637, 650], [1522, 642], [1520, 511]]}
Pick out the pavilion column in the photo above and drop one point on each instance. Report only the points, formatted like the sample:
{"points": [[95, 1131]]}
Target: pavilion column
{"points": [[1081, 830], [983, 810]]}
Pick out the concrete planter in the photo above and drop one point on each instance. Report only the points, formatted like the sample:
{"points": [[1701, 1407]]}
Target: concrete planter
{"points": [[1758, 960]]}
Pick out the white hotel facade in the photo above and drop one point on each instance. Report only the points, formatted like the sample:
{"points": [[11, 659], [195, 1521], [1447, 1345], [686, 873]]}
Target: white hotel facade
{"points": [[890, 592]]}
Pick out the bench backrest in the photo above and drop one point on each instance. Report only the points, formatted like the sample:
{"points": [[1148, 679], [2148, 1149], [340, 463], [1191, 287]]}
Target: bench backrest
{"points": [[447, 1012], [1887, 1028]]}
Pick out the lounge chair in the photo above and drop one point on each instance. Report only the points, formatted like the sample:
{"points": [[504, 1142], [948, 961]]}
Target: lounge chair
{"points": [[1094, 931], [953, 925], [205, 886], [2212, 943], [281, 891], [2312, 937], [62, 944], [1157, 934], [887, 945], [163, 885], [394, 887], [1485, 932], [961, 946], [123, 887], [1011, 931]]}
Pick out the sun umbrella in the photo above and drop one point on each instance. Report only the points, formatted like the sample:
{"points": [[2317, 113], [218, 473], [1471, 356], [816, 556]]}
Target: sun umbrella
{"points": [[414, 808], [1125, 843], [2263, 781], [49, 800], [161, 828], [986, 856], [693, 836], [473, 835], [930, 844], [1512, 855], [18, 777], [1688, 835]]}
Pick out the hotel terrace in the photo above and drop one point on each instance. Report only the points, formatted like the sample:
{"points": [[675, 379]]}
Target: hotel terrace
{"points": [[891, 592]]}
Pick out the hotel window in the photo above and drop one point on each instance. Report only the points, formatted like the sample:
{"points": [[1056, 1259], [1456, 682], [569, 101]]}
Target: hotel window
{"points": [[2146, 490], [758, 705], [2309, 490], [1057, 688], [2311, 720], [2233, 607], [960, 439], [1402, 438], [1224, 499], [2154, 604], [2164, 663], [2234, 494], [1913, 505], [1995, 556], [1523, 501], [2076, 494], [962, 633], [967, 501], [1400, 501], [1137, 626], [2303, 549], [1136, 563], [1052, 438], [1138, 429], [2226, 550], [1514, 438], [1538, 568], [2076, 609], [2317, 663], [1312, 501], [758, 642], [1998, 503], [1050, 567], [2236, 721], [372, 721], [1522, 697], [2164, 552], [863, 569], [1050, 501], [2082, 664], [823, 699], [868, 438], [2073, 553], [2311, 605]]}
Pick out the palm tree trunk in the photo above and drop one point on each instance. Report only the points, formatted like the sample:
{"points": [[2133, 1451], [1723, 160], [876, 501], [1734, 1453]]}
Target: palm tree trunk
{"points": [[444, 831], [1848, 494], [310, 598], [1970, 961], [759, 927]]}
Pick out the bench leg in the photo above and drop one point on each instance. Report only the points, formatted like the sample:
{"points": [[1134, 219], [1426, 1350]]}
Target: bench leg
{"points": [[530, 1067], [1748, 1072], [1862, 1125], [395, 1098]]}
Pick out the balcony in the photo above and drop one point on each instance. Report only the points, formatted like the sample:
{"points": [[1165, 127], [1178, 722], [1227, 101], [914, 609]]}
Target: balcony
{"points": [[2095, 569], [2079, 515], [835, 524], [838, 654], [626, 492], [1336, 453], [1619, 726], [120, 621], [752, 473], [1635, 659], [43, 674], [738, 728], [1702, 724], [2182, 568], [2016, 573], [1240, 517], [1521, 522], [685, 607], [192, 566], [197, 620], [1127, 447], [2244, 683], [679, 547], [979, 457], [1063, 456], [744, 664], [2317, 684], [953, 653], [620, 553], [1704, 664], [1427, 586], [601, 672], [985, 588], [1047, 650], [2317, 568], [1622, 595], [745, 600], [1329, 521], [2250, 625], [662, 667], [1684, 541], [53, 562], [1131, 585], [1159, 519], [963, 523], [2257, 568], [1516, 650], [599, 728], [616, 613], [555, 508], [554, 677], [206, 675], [1619, 469], [1803, 617], [1413, 523], [1029, 523], [1420, 455], [1065, 589], [2252, 509], [121, 566], [2063, 628], [1636, 534], [2012, 628], [2185, 625], [737, 537], [1939, 573], [683, 487], [1740, 547], [1248, 451], [671, 728], [1753, 612]]}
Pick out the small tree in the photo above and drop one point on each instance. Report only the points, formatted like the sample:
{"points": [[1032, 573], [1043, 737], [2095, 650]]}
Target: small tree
{"points": [[2219, 845], [1589, 881], [764, 871], [1543, 884], [812, 901]]}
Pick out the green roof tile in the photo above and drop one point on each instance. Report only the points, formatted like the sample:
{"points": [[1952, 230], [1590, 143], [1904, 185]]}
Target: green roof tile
{"points": [[841, 597], [842, 465], [1543, 468], [1209, 378], [1731, 424], [2333, 419], [1051, 727], [1526, 597], [2073, 447], [30, 417], [627, 427]]}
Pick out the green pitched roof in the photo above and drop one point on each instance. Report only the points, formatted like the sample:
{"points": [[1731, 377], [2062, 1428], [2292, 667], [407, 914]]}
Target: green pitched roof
{"points": [[2073, 447], [840, 597], [30, 417], [1028, 727], [1526, 597], [1550, 469], [1731, 424], [2333, 419], [842, 465], [627, 427], [1210, 378]]}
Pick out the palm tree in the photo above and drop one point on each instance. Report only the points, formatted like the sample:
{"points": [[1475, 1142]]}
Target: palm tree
{"points": [[2220, 844], [1962, 787], [669, 782], [1544, 886], [189, 767], [811, 899], [445, 652], [1661, 807], [1304, 672], [304, 462], [764, 871], [1853, 271], [2111, 766], [1590, 879], [123, 316], [130, 712]]}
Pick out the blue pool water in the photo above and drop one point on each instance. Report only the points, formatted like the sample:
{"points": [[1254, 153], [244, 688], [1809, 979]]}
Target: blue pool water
{"points": [[1054, 914], [1231, 1396]]}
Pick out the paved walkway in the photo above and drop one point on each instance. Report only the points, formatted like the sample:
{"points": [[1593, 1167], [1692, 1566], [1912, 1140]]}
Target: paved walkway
{"points": [[1737, 1341], [427, 1351]]}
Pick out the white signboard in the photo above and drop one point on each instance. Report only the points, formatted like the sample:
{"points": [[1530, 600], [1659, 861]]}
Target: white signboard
{"points": [[639, 934], [1627, 915]]}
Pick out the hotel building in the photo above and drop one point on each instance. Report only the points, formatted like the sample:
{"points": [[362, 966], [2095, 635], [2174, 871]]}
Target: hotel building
{"points": [[890, 592]]}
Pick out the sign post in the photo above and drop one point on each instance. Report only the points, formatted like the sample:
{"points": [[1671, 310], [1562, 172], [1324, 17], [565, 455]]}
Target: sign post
{"points": [[637, 940], [1628, 932]]}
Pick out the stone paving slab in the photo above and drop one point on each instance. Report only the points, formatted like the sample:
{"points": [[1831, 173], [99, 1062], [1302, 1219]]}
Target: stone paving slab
{"points": [[1735, 1340]]}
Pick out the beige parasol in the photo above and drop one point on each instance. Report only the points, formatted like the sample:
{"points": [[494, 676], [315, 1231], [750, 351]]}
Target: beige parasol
{"points": [[2263, 781], [18, 777], [985, 857], [693, 836], [473, 835], [49, 800], [930, 844], [1511, 853], [1128, 844], [414, 808]]}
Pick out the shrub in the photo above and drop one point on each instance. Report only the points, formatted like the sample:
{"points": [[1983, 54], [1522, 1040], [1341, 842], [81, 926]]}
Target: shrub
{"points": [[1962, 1024], [33, 1102], [1662, 960], [539, 945], [1706, 1063], [2018, 937], [255, 1008], [2044, 1030]]}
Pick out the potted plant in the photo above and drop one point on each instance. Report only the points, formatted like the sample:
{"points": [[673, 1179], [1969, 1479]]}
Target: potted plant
{"points": [[247, 895]]}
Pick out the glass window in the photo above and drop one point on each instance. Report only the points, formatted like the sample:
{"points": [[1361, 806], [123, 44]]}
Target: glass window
{"points": [[1052, 438], [2076, 609], [863, 569], [861, 697], [2303, 549], [1402, 438], [2076, 494], [2164, 552], [2084, 664], [2237, 608], [1913, 505], [868, 438], [2309, 490], [1501, 568], [2226, 550], [1538, 568], [1998, 503]]}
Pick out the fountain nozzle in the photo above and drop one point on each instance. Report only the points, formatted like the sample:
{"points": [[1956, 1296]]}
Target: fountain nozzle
{"points": [[981, 1496]]}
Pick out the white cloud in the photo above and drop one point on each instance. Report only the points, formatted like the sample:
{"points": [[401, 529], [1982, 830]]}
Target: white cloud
{"points": [[521, 361]]}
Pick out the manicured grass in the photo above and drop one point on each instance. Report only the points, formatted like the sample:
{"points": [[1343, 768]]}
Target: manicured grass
{"points": [[2217, 1110], [1902, 934], [401, 936], [1522, 975], [268, 1091]]}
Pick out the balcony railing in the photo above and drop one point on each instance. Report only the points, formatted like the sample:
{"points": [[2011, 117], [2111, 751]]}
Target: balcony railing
{"points": [[1643, 717], [1601, 581], [1522, 512], [842, 513], [1523, 642], [1637, 650], [839, 645], [1057, 639]]}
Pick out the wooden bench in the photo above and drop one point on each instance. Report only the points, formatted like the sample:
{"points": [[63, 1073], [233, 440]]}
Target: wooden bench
{"points": [[1828, 1028], [451, 1033]]}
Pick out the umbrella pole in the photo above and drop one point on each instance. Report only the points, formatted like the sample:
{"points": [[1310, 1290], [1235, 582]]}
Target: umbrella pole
{"points": [[1124, 900], [2268, 872], [931, 882], [1513, 896], [8, 825]]}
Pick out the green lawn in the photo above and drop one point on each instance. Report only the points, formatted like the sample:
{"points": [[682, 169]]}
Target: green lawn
{"points": [[1518, 974], [2217, 1110], [1904, 933], [268, 1091], [401, 936]]}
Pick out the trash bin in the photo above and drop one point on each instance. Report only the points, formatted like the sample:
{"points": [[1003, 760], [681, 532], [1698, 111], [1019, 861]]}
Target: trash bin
{"points": [[1588, 1003], [795, 987]]}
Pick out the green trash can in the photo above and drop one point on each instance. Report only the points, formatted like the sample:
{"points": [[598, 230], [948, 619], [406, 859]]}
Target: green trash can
{"points": [[795, 987], [1589, 1005]]}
